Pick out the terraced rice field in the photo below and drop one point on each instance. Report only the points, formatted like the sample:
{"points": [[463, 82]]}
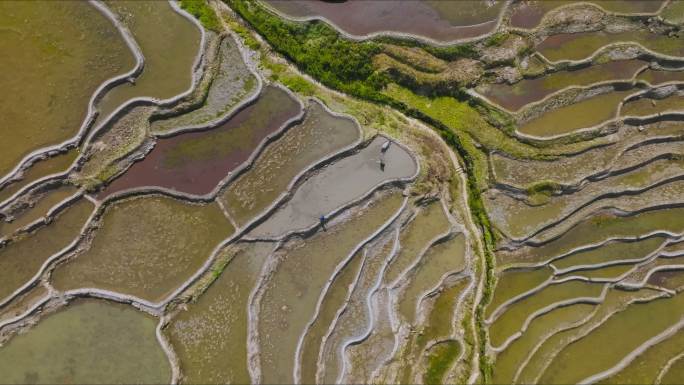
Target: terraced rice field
{"points": [[280, 192]]}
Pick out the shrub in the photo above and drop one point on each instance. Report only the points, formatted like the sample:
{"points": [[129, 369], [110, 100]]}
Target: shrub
{"points": [[202, 12]]}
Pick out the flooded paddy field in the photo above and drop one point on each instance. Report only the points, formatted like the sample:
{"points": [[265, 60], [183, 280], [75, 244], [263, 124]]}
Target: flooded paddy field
{"points": [[230, 84], [151, 245], [578, 46], [436, 20], [501, 209], [338, 184], [582, 114], [195, 162], [57, 54], [169, 43], [23, 257], [529, 14], [320, 134], [209, 336], [43, 168], [527, 91], [88, 341]]}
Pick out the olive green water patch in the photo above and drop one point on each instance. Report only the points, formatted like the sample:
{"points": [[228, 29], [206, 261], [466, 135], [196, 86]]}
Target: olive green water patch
{"points": [[518, 219], [674, 12], [655, 77], [606, 345], [428, 224], [55, 55], [514, 317], [440, 324], [511, 283], [230, 85], [606, 273], [147, 247], [441, 259], [439, 360], [23, 257], [369, 354], [168, 41], [577, 46], [646, 366], [52, 165], [583, 114], [94, 342], [22, 303], [288, 302], [613, 251], [615, 302], [516, 96], [356, 318], [333, 301], [37, 209], [210, 335], [674, 374], [442, 315], [508, 362], [320, 134], [597, 228], [646, 106]]}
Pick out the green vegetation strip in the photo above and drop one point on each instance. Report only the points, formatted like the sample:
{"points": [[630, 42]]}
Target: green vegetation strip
{"points": [[201, 10]]}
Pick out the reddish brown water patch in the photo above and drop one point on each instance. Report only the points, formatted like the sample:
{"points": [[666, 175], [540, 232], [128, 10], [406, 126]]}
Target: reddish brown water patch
{"points": [[196, 162], [434, 20], [515, 96]]}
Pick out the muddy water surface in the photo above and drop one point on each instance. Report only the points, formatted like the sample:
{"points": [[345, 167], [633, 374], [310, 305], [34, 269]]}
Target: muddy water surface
{"points": [[658, 77], [38, 209], [598, 228], [55, 164], [444, 258], [147, 247], [319, 135], [429, 223], [196, 162], [55, 55], [647, 107], [333, 302], [210, 335], [340, 183], [583, 114], [355, 320], [94, 342], [439, 20], [168, 41], [289, 302], [23, 257]]}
